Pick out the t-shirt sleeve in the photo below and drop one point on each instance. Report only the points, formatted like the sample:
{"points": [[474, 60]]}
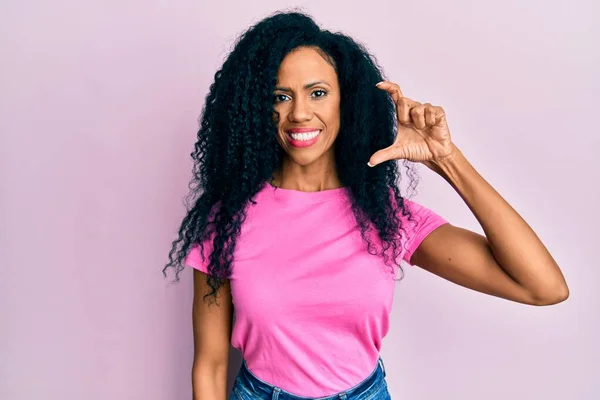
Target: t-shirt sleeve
{"points": [[194, 257], [422, 223]]}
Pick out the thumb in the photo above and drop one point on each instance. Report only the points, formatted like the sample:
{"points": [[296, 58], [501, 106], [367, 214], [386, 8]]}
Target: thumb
{"points": [[383, 155]]}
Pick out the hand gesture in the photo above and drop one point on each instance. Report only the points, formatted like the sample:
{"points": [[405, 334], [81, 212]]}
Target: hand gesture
{"points": [[423, 134]]}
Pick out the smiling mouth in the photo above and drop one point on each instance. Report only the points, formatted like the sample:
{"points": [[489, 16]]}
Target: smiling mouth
{"points": [[304, 136]]}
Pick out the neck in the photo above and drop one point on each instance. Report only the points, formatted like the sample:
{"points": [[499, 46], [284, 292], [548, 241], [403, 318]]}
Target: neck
{"points": [[317, 176]]}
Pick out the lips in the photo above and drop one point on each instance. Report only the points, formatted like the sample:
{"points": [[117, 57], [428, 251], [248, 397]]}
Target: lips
{"points": [[303, 137], [302, 130]]}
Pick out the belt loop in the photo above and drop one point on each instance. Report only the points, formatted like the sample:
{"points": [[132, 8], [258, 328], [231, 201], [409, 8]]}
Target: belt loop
{"points": [[276, 393], [382, 366], [342, 396]]}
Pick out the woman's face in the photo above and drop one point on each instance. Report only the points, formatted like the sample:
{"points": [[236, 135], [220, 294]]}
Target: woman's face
{"points": [[307, 106]]}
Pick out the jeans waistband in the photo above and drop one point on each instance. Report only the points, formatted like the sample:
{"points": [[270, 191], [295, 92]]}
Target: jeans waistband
{"points": [[258, 389]]}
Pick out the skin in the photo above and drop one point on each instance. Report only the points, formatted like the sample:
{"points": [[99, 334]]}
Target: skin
{"points": [[509, 262], [307, 95], [212, 326]]}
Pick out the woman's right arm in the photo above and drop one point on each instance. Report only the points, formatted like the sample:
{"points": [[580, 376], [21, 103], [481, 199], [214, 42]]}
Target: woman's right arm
{"points": [[212, 336]]}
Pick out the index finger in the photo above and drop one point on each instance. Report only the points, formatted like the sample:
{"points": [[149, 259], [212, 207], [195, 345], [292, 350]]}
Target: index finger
{"points": [[391, 87]]}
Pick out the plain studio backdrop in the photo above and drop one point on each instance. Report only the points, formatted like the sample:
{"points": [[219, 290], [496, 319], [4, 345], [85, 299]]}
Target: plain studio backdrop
{"points": [[99, 102]]}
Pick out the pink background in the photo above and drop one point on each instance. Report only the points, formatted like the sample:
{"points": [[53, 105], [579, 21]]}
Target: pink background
{"points": [[99, 103]]}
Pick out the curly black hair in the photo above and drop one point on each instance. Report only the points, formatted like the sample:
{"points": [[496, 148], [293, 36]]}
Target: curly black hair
{"points": [[231, 166]]}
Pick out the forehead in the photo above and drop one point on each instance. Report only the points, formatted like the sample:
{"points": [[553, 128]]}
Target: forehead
{"points": [[305, 64]]}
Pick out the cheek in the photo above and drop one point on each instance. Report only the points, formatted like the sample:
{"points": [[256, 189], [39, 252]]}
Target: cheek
{"points": [[331, 117]]}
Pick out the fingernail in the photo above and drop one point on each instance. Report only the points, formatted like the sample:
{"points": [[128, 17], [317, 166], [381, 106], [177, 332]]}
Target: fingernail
{"points": [[379, 83], [369, 164]]}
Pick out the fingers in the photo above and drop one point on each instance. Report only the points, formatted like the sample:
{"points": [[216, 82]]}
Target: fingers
{"points": [[389, 153], [430, 115], [417, 115], [426, 115], [411, 112], [405, 107], [392, 88], [403, 104]]}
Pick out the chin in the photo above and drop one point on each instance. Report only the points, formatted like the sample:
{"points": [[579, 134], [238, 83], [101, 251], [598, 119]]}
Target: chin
{"points": [[304, 159]]}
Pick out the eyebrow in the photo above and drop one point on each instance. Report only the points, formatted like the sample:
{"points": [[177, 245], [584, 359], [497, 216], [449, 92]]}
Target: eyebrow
{"points": [[307, 86]]}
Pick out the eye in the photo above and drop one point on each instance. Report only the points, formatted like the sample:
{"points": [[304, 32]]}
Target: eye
{"points": [[278, 98], [321, 92]]}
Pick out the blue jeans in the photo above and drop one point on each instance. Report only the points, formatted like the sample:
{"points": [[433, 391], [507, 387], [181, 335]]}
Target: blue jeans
{"points": [[249, 387]]}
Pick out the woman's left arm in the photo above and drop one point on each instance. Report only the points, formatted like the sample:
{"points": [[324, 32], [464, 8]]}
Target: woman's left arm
{"points": [[510, 261]]}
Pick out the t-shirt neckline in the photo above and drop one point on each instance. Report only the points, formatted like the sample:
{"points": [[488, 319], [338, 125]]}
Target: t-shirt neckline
{"points": [[293, 194]]}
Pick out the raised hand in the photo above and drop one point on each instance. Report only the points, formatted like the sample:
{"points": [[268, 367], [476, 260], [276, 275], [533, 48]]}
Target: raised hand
{"points": [[423, 134]]}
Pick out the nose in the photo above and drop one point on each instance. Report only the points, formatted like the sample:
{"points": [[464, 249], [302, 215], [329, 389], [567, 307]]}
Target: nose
{"points": [[300, 111]]}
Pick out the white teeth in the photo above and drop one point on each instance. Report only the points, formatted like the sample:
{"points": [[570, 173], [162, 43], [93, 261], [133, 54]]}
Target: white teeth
{"points": [[305, 135]]}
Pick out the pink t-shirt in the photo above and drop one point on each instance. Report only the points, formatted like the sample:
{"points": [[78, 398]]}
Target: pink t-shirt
{"points": [[311, 304]]}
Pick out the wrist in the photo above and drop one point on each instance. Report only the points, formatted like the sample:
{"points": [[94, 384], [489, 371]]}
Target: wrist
{"points": [[450, 158], [452, 166]]}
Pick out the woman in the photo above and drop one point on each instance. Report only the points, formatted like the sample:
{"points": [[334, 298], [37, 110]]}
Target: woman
{"points": [[298, 221]]}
